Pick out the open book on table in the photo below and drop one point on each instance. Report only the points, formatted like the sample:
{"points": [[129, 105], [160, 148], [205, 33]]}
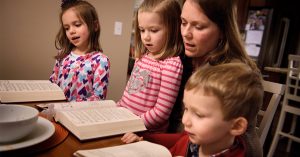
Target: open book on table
{"points": [[94, 119], [137, 149], [29, 90]]}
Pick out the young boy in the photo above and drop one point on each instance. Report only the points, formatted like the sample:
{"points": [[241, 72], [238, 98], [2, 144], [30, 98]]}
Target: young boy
{"points": [[219, 101]]}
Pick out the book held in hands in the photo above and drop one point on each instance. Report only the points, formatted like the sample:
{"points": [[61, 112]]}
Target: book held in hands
{"points": [[95, 119], [29, 91]]}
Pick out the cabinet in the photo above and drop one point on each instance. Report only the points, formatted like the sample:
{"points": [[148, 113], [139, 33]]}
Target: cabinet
{"points": [[243, 8], [242, 12], [258, 3]]}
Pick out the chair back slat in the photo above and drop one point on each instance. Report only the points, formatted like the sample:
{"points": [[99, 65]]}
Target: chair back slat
{"points": [[277, 90]]}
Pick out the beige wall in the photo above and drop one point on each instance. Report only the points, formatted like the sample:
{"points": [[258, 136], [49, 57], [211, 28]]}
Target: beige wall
{"points": [[28, 29]]}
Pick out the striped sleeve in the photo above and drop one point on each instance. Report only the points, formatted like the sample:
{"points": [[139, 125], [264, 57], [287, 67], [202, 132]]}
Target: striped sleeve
{"points": [[171, 72]]}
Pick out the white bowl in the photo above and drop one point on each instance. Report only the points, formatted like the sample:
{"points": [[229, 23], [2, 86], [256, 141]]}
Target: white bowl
{"points": [[16, 121]]}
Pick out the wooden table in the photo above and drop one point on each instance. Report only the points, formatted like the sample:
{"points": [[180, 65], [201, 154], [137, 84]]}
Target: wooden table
{"points": [[68, 146]]}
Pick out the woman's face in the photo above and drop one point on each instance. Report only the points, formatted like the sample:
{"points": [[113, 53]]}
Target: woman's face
{"points": [[199, 33]]}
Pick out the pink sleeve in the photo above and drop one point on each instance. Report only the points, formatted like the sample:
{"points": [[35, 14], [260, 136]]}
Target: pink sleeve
{"points": [[100, 80], [54, 75], [170, 82]]}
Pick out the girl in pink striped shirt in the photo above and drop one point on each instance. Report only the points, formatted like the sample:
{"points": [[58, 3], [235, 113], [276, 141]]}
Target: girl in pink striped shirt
{"points": [[153, 86]]}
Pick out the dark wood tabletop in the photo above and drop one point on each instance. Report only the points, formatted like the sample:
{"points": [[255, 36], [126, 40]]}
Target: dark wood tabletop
{"points": [[72, 144]]}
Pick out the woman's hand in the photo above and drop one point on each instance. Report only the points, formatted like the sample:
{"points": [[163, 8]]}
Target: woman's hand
{"points": [[131, 137]]}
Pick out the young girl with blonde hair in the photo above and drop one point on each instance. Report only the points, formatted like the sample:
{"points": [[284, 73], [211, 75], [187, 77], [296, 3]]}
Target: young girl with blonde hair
{"points": [[155, 79]]}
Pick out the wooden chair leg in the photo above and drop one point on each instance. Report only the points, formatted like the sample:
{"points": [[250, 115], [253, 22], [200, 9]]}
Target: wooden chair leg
{"points": [[277, 135]]}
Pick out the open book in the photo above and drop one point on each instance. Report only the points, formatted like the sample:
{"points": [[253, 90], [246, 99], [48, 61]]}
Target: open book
{"points": [[29, 91], [94, 119], [137, 149]]}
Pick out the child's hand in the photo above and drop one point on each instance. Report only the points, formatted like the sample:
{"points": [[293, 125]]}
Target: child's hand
{"points": [[131, 137]]}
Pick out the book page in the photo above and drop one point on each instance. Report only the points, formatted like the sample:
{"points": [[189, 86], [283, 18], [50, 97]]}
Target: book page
{"points": [[27, 85], [97, 115], [64, 106], [98, 121], [29, 91], [137, 149]]}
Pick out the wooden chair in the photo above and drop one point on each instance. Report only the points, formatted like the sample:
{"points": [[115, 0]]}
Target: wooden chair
{"points": [[276, 90], [291, 104]]}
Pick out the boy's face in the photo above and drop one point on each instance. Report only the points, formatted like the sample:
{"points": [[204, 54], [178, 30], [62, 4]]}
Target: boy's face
{"points": [[203, 119]]}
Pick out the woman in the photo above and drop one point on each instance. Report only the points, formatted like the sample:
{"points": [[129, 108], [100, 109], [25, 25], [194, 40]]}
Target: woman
{"points": [[211, 37]]}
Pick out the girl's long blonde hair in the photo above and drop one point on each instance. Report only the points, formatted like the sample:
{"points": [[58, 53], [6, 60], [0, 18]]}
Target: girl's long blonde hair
{"points": [[169, 11]]}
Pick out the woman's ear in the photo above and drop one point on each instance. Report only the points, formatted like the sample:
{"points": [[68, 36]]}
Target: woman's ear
{"points": [[239, 126]]}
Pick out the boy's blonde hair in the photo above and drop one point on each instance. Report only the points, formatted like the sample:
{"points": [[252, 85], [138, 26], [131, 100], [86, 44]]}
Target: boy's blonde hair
{"points": [[169, 11], [236, 85]]}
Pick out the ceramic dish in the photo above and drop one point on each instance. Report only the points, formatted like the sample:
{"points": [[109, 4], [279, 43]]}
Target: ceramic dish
{"points": [[44, 129]]}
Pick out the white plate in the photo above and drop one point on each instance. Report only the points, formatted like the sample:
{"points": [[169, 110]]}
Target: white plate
{"points": [[44, 129]]}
